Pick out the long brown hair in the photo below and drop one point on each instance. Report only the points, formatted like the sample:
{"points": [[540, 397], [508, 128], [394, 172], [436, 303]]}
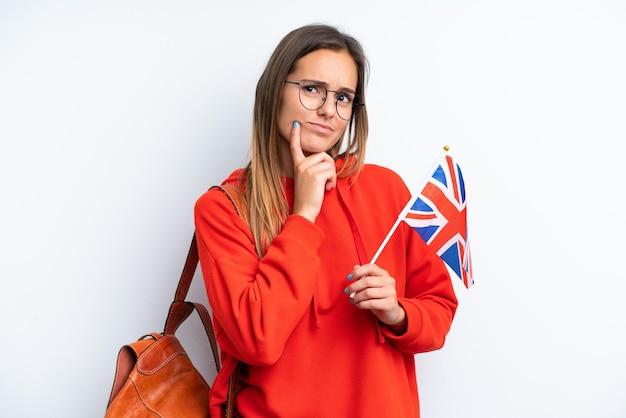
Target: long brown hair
{"points": [[263, 185]]}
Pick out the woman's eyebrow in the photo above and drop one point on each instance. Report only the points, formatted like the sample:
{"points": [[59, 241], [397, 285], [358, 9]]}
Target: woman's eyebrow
{"points": [[325, 84]]}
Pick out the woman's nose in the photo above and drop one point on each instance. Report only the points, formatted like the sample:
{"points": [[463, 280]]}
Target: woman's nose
{"points": [[328, 108]]}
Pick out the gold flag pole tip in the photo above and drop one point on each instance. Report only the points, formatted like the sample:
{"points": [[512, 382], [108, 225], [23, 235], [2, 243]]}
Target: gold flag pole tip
{"points": [[446, 148]]}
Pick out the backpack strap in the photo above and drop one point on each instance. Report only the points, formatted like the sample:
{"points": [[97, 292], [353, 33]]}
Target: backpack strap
{"points": [[237, 198]]}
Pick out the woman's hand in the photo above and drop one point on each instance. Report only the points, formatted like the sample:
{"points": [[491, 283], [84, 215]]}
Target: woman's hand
{"points": [[373, 288], [313, 175]]}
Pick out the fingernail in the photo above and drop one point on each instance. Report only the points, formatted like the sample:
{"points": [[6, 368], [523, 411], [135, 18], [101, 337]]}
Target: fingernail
{"points": [[295, 123], [346, 291], [350, 276]]}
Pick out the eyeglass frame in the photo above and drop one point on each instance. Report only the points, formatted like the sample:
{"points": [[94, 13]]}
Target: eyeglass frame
{"points": [[355, 105]]}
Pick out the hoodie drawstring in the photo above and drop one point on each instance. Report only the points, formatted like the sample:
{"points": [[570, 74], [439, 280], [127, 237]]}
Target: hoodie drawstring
{"points": [[316, 317], [363, 258]]}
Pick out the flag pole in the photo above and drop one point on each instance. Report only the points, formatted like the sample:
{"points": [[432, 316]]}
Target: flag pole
{"points": [[402, 215], [386, 240]]}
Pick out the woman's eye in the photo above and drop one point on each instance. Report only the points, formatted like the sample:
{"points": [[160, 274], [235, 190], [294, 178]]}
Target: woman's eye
{"points": [[344, 98], [312, 89]]}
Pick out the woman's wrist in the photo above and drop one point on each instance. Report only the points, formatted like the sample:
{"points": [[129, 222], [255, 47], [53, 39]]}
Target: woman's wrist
{"points": [[400, 326]]}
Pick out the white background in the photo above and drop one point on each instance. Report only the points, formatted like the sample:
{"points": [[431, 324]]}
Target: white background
{"points": [[115, 116]]}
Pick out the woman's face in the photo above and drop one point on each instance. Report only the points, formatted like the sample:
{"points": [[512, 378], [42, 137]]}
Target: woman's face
{"points": [[321, 128]]}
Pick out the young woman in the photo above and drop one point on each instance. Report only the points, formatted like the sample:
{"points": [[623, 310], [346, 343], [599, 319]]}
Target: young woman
{"points": [[319, 331]]}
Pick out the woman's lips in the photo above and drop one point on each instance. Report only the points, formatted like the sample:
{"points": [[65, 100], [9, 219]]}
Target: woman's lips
{"points": [[320, 127]]}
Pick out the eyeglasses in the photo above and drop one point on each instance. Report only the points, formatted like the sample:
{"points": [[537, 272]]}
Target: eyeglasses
{"points": [[313, 96]]}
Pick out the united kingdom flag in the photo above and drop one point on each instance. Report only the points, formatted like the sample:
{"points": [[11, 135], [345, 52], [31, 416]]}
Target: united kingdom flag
{"points": [[439, 214]]}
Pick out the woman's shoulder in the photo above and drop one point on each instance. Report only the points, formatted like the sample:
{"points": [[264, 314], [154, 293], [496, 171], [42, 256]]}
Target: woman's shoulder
{"points": [[379, 170], [381, 180], [379, 173]]}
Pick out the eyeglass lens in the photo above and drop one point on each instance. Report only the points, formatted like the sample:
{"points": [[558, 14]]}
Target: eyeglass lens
{"points": [[313, 96]]}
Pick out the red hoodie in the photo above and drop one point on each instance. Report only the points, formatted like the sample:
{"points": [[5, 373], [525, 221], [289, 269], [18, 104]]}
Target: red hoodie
{"points": [[307, 351]]}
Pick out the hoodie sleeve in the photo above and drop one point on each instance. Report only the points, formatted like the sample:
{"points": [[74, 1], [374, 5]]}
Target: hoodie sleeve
{"points": [[424, 287], [429, 300], [256, 303]]}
